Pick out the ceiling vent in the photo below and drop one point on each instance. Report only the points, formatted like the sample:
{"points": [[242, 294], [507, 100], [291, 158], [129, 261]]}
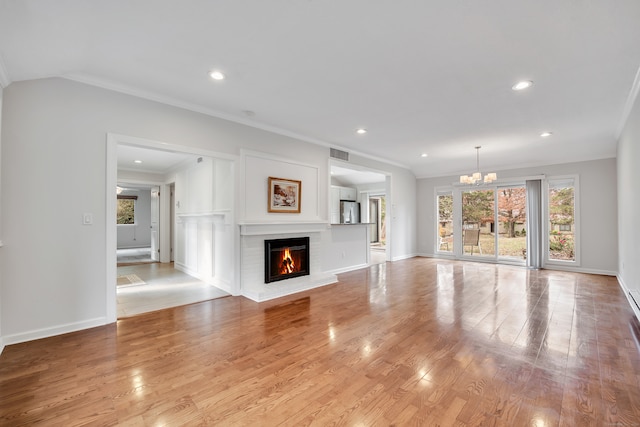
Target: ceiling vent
{"points": [[339, 154]]}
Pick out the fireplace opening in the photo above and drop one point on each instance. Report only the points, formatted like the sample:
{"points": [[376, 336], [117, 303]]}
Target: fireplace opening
{"points": [[286, 258]]}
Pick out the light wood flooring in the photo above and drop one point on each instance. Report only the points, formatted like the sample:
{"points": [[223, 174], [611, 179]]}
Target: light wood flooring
{"points": [[162, 286], [417, 342]]}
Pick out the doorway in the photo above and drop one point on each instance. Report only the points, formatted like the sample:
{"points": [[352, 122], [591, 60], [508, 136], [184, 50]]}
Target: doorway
{"points": [[483, 222], [138, 161], [372, 190]]}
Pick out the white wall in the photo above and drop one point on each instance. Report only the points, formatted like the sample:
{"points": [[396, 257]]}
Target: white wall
{"points": [[598, 210], [401, 206], [629, 202], [137, 235], [54, 132], [346, 247], [259, 166], [1, 244], [204, 220]]}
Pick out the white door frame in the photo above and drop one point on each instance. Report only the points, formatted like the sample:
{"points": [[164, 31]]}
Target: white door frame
{"points": [[111, 181]]}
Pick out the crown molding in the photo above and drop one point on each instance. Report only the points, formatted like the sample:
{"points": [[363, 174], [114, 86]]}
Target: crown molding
{"points": [[628, 106], [151, 96]]}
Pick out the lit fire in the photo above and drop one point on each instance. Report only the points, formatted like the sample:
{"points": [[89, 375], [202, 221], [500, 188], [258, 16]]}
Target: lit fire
{"points": [[287, 265]]}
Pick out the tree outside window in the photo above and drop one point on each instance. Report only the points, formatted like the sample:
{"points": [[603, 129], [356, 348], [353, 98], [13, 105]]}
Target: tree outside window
{"points": [[561, 221], [126, 209]]}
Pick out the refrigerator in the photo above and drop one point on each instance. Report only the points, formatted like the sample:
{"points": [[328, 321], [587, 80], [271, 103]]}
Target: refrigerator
{"points": [[349, 212]]}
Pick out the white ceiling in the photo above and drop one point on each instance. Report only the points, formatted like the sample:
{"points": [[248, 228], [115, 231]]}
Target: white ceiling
{"points": [[152, 160], [423, 77]]}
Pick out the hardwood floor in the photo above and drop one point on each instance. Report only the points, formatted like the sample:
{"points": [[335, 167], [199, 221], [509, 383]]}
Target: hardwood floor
{"points": [[414, 342]]}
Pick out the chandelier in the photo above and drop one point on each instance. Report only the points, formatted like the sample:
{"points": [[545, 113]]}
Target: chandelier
{"points": [[476, 177]]}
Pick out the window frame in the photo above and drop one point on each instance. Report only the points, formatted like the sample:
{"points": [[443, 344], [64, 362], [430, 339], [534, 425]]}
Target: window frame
{"points": [[547, 183], [443, 191], [135, 204]]}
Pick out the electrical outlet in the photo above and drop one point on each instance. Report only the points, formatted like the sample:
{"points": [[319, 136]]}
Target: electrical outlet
{"points": [[87, 219]]}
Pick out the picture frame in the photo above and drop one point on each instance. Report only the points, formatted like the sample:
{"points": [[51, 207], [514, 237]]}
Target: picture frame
{"points": [[284, 195]]}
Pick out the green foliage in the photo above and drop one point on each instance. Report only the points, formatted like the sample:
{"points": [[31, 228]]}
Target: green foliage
{"points": [[477, 206], [126, 211], [511, 208], [561, 247], [445, 207], [561, 205]]}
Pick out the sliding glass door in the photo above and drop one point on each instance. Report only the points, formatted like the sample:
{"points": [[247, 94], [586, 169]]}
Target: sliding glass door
{"points": [[512, 220], [492, 222], [478, 219], [482, 222]]}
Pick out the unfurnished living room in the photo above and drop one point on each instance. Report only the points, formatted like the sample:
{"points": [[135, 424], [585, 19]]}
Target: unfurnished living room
{"points": [[336, 213]]}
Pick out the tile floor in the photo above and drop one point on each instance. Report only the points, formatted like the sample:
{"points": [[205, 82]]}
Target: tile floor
{"points": [[163, 287]]}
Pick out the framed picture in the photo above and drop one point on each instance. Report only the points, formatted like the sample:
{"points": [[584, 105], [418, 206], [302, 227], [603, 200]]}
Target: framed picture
{"points": [[284, 195]]}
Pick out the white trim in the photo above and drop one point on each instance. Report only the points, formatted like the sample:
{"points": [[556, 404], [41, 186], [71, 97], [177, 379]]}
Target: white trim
{"points": [[552, 268], [111, 227], [401, 257], [516, 180], [294, 286], [628, 106], [244, 154], [264, 228], [627, 294], [1, 345], [166, 146], [53, 331], [350, 268], [560, 264], [113, 139]]}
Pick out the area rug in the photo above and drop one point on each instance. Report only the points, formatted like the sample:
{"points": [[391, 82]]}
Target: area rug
{"points": [[130, 280]]}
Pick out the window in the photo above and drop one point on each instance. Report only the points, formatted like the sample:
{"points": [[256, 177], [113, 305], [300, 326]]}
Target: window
{"points": [[445, 222], [126, 209], [561, 217], [478, 214]]}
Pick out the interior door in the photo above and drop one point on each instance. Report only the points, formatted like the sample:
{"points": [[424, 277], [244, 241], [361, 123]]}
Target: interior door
{"points": [[155, 224]]}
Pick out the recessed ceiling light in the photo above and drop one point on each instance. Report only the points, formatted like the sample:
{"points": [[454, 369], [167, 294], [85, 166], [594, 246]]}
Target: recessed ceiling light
{"points": [[361, 131], [546, 134], [216, 75], [522, 85], [137, 161], [424, 155]]}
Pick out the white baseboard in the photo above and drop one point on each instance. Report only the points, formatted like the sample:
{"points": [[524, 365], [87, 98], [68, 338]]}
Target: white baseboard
{"points": [[1, 345], [630, 298], [295, 285], [347, 269], [580, 270], [55, 330], [401, 257]]}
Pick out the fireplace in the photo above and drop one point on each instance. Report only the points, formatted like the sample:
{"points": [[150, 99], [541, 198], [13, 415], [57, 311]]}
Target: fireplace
{"points": [[286, 258]]}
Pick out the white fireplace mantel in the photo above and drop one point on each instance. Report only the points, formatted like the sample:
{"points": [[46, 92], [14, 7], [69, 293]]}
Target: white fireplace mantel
{"points": [[264, 228]]}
